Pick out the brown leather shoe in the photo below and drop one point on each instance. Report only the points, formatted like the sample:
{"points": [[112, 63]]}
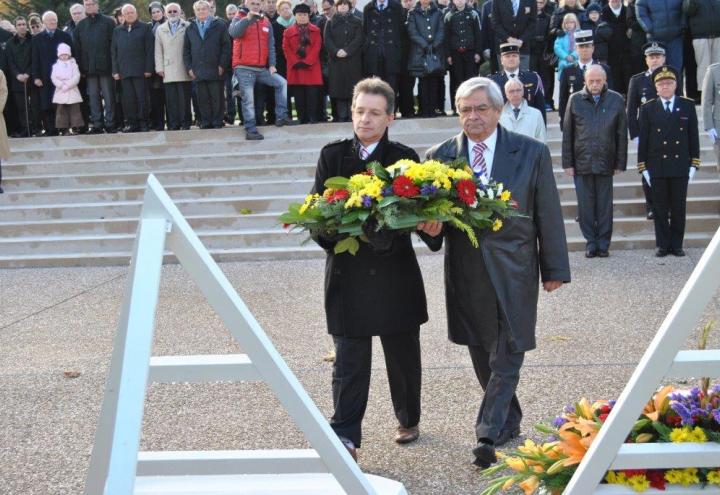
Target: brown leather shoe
{"points": [[407, 435], [350, 446]]}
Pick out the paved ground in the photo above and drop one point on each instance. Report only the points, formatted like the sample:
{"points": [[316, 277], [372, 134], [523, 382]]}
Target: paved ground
{"points": [[590, 333]]}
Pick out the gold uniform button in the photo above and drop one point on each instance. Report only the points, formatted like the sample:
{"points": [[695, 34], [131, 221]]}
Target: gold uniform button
{"points": [[677, 156], [664, 142], [664, 156]]}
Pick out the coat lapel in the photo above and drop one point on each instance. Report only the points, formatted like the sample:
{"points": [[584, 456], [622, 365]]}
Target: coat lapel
{"points": [[505, 159]]}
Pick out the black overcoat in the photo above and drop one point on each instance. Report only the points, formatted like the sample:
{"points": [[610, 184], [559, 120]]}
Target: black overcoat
{"points": [[93, 38], [205, 55], [382, 37], [371, 293], [44, 56], [521, 26], [524, 249], [343, 31], [133, 50]]}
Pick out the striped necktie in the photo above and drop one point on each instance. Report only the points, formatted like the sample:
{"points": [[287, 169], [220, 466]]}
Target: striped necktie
{"points": [[364, 153], [479, 166]]}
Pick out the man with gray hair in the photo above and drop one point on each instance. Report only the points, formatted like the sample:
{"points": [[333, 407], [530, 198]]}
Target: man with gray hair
{"points": [[594, 149], [77, 14], [518, 116], [491, 292]]}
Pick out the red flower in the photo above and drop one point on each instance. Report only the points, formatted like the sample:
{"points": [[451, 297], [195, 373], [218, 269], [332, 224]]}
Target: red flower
{"points": [[603, 417], [466, 191], [286, 225], [634, 472], [605, 409], [404, 187], [339, 195], [674, 420], [656, 479]]}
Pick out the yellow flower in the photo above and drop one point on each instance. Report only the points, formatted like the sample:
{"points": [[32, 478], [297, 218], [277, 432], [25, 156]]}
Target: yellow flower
{"points": [[639, 483], [505, 195], [689, 476], [460, 174], [713, 477], [358, 181], [685, 434], [355, 200], [698, 435], [508, 484], [611, 477], [679, 435], [674, 476], [303, 208], [515, 463], [497, 225], [530, 485]]}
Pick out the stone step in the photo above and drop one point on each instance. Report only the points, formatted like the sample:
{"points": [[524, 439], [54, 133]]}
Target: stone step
{"points": [[310, 250]]}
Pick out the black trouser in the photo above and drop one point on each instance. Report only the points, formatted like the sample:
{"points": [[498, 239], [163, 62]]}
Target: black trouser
{"points": [[157, 107], [547, 75], [134, 101], [342, 107], [620, 66], [669, 196], [387, 73], [84, 105], [351, 381], [31, 105], [406, 98], [48, 120], [498, 372], [177, 97], [595, 209], [307, 99], [692, 85], [428, 90], [463, 68], [211, 102]]}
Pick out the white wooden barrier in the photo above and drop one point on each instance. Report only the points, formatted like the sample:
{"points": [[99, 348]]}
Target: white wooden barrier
{"points": [[663, 359], [117, 467]]}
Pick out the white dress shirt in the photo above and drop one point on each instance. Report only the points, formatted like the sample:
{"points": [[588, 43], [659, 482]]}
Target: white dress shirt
{"points": [[672, 103], [371, 147], [488, 154], [513, 75]]}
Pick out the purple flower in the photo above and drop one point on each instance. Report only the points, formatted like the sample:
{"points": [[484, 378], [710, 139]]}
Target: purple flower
{"points": [[682, 411], [569, 410], [716, 415], [367, 201], [559, 421], [428, 190], [388, 191], [612, 403]]}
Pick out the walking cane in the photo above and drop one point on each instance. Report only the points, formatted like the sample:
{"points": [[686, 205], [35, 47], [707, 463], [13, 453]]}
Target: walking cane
{"points": [[27, 114]]}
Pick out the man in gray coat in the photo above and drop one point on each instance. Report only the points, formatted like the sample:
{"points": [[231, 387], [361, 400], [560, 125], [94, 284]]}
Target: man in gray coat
{"points": [[594, 148], [711, 106], [492, 291]]}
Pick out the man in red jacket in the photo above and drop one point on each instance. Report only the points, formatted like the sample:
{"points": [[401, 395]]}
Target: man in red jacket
{"points": [[253, 59]]}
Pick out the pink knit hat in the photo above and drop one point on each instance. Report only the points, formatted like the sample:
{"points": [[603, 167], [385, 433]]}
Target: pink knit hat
{"points": [[63, 48]]}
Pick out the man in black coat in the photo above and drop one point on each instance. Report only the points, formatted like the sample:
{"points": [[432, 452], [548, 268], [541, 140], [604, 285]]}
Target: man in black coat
{"points": [[619, 57], [510, 60], [133, 62], [383, 275], [463, 43], [594, 148], [18, 51], [93, 40], [44, 55], [489, 45], [640, 91], [541, 46], [513, 21], [491, 292], [668, 156], [383, 24], [573, 77], [207, 54]]}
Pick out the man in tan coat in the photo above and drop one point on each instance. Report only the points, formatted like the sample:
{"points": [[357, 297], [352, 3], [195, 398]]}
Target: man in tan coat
{"points": [[169, 64], [4, 144]]}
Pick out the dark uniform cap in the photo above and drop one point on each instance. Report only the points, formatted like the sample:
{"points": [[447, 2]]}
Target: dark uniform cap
{"points": [[653, 47], [509, 48], [664, 72], [584, 37], [301, 8]]}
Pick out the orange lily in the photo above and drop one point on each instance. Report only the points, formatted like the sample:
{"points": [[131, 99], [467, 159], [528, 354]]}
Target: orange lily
{"points": [[530, 485], [658, 404]]}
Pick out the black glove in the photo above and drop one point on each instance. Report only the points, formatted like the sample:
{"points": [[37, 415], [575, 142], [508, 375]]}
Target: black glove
{"points": [[300, 65], [380, 240], [327, 241], [301, 52]]}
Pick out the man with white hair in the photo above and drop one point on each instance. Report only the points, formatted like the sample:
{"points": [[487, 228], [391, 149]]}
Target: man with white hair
{"points": [[44, 55], [594, 148], [518, 116], [133, 62], [491, 292], [77, 14], [170, 66]]}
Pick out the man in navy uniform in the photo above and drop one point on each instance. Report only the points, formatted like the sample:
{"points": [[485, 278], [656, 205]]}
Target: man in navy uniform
{"points": [[668, 156], [573, 77], [510, 61], [640, 91]]}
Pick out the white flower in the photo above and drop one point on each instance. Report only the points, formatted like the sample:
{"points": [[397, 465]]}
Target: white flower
{"points": [[490, 193], [499, 188], [483, 180], [480, 193], [474, 205]]}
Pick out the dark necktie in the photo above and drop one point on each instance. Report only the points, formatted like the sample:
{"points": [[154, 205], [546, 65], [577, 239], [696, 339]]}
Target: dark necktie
{"points": [[516, 111], [512, 76], [583, 68], [667, 107]]}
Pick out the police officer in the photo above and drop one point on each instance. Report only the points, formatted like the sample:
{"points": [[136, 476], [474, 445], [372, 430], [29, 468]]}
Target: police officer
{"points": [[668, 156], [510, 61], [640, 91], [573, 77]]}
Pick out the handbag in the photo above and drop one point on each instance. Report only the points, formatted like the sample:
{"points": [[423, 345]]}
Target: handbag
{"points": [[432, 64]]}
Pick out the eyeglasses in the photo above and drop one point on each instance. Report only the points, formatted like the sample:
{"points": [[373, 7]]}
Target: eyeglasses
{"points": [[173, 11], [470, 110]]}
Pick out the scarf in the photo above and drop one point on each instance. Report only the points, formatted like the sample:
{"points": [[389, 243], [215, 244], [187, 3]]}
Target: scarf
{"points": [[304, 32], [286, 23]]}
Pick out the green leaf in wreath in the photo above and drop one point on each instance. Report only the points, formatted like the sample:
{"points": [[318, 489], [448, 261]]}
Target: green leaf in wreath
{"points": [[349, 244], [379, 171], [337, 183], [388, 201]]}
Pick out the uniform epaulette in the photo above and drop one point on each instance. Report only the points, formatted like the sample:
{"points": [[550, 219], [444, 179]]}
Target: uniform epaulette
{"points": [[336, 142], [649, 101], [641, 167], [686, 98], [695, 162]]}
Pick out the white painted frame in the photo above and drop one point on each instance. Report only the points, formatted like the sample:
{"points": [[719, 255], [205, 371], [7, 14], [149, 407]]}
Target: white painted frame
{"points": [[663, 358], [116, 460]]}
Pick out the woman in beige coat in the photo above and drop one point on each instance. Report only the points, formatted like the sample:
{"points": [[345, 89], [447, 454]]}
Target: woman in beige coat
{"points": [[4, 144], [169, 43]]}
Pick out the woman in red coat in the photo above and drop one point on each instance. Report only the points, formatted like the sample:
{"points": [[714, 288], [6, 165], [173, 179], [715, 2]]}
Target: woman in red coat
{"points": [[302, 43]]}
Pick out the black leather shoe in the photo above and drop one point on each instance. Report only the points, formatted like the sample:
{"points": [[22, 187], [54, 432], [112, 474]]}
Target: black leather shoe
{"points": [[253, 135], [650, 215], [283, 122], [484, 455], [661, 252], [590, 253], [678, 252], [506, 435], [603, 254]]}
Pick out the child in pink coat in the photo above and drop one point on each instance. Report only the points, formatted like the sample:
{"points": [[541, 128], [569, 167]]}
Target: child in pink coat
{"points": [[66, 76]]}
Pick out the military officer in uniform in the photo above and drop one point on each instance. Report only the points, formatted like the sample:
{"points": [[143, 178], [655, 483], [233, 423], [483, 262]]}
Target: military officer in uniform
{"points": [[510, 61], [668, 156], [640, 91], [573, 77]]}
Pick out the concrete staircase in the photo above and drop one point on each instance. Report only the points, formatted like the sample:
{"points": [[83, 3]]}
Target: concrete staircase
{"points": [[75, 200]]}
